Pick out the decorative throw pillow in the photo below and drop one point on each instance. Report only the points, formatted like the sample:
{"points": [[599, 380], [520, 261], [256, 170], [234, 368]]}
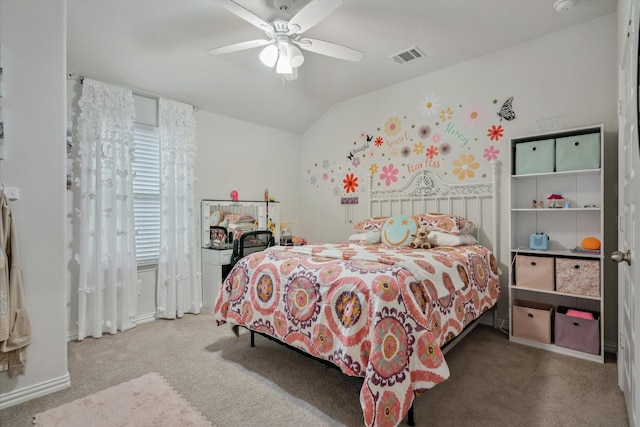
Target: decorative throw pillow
{"points": [[371, 223], [398, 231]]}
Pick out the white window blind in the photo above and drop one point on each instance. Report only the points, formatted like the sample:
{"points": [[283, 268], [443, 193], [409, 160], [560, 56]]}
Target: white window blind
{"points": [[146, 193]]}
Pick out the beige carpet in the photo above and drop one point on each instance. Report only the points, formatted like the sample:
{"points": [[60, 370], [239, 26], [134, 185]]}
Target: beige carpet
{"points": [[493, 383], [145, 401]]}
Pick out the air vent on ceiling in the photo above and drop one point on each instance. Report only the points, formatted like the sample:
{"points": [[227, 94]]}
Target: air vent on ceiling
{"points": [[408, 55]]}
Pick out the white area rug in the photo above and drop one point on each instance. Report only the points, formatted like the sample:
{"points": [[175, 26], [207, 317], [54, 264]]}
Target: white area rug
{"points": [[145, 401]]}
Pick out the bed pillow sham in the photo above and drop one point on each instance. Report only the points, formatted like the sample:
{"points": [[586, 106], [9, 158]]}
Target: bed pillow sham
{"points": [[452, 224]]}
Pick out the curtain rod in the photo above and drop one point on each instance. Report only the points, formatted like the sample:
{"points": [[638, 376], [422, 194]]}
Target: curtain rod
{"points": [[80, 78]]}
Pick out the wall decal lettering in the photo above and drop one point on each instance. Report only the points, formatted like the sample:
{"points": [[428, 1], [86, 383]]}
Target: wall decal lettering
{"points": [[451, 130], [403, 138]]}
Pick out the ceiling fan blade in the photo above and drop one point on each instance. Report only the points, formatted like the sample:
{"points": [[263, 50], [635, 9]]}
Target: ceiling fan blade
{"points": [[240, 46], [312, 14], [330, 49], [245, 14]]}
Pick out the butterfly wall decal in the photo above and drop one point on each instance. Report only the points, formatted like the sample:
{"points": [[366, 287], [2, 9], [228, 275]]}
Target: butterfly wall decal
{"points": [[369, 138], [350, 156], [506, 111]]}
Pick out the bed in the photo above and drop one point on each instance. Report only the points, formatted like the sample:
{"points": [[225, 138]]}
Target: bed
{"points": [[377, 312]]}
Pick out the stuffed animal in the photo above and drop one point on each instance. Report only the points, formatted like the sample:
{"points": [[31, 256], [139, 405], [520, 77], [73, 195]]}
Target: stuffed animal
{"points": [[421, 238]]}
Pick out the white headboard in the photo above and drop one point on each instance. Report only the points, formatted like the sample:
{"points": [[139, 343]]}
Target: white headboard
{"points": [[426, 192]]}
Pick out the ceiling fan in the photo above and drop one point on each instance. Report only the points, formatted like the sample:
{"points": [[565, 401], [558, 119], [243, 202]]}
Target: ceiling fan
{"points": [[284, 37]]}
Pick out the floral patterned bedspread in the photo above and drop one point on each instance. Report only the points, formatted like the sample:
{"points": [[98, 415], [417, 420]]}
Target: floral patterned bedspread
{"points": [[375, 312]]}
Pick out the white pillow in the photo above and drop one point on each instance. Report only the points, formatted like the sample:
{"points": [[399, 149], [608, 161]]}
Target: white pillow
{"points": [[358, 237], [371, 237], [439, 238]]}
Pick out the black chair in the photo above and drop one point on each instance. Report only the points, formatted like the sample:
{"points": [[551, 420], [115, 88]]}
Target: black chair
{"points": [[250, 242]]}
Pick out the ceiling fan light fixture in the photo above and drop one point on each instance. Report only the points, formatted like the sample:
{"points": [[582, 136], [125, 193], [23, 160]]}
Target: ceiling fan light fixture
{"points": [[296, 58], [281, 33], [283, 66], [269, 55]]}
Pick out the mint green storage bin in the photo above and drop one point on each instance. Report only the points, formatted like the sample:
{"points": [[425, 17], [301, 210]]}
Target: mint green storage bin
{"points": [[578, 152], [534, 156]]}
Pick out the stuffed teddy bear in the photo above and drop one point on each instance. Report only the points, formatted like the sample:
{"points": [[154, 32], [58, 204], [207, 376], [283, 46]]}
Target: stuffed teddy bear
{"points": [[421, 238]]}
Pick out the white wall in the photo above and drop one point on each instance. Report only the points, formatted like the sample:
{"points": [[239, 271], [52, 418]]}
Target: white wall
{"points": [[34, 90], [234, 154], [570, 75]]}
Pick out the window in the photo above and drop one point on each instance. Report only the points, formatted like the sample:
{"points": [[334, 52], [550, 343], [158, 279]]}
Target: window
{"points": [[146, 193]]}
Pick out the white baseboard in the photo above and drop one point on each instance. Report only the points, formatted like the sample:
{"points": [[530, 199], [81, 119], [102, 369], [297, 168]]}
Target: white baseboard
{"points": [[143, 318], [37, 390]]}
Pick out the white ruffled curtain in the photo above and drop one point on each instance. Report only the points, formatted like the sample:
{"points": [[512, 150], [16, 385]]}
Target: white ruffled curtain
{"points": [[178, 289], [107, 285]]}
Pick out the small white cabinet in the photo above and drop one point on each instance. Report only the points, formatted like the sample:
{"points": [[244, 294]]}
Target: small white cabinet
{"points": [[537, 304], [214, 263]]}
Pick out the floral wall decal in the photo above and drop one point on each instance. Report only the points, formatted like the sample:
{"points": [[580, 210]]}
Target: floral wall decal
{"points": [[491, 153], [446, 114], [460, 139], [350, 183], [464, 166], [388, 174], [393, 126], [424, 132], [430, 105], [432, 151], [495, 132]]}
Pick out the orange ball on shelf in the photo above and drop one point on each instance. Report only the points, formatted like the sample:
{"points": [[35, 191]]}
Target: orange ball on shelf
{"points": [[591, 243]]}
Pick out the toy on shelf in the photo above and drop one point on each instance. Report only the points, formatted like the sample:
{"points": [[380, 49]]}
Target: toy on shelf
{"points": [[555, 201], [590, 245]]}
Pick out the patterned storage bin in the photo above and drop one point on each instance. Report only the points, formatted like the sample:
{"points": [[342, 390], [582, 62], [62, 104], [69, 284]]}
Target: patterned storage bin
{"points": [[534, 272], [578, 276], [577, 333], [578, 152], [534, 157], [532, 320]]}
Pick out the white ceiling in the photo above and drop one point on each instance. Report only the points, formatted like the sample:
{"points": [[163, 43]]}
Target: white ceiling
{"points": [[160, 47]]}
